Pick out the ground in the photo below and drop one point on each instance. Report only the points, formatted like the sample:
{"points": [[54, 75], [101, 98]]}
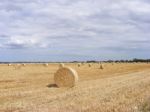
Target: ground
{"points": [[118, 87]]}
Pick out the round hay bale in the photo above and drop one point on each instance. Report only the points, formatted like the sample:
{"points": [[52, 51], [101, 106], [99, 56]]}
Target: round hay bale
{"points": [[79, 64], [89, 65], [61, 65], [23, 64], [46, 64], [101, 67], [9, 64], [66, 77]]}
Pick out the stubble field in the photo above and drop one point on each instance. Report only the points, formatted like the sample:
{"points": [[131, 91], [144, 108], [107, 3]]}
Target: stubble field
{"points": [[120, 87]]}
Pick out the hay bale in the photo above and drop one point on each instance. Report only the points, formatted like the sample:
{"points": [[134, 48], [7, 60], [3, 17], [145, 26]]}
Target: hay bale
{"points": [[61, 65], [66, 77], [9, 64], [46, 64], [101, 67], [79, 64], [89, 65], [23, 64]]}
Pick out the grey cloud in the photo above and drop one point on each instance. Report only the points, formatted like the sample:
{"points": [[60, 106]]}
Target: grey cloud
{"points": [[75, 24], [15, 46]]}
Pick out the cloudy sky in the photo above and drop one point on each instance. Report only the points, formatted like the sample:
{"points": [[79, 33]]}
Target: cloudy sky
{"points": [[64, 30]]}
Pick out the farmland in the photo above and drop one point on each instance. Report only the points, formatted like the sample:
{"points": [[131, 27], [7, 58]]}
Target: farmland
{"points": [[118, 87]]}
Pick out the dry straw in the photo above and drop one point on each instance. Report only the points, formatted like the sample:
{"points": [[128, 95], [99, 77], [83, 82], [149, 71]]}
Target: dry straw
{"points": [[101, 67], [46, 64], [9, 64], [89, 65], [17, 66], [61, 65], [79, 64], [66, 77], [23, 64]]}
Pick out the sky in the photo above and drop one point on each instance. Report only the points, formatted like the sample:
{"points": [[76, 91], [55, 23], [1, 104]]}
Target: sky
{"points": [[69, 30]]}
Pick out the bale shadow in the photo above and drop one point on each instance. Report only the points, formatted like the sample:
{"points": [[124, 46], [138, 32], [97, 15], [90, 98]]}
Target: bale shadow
{"points": [[52, 86]]}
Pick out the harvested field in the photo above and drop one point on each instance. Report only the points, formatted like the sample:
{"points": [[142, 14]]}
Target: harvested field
{"points": [[121, 87]]}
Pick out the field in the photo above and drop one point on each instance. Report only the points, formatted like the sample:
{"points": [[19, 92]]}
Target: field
{"points": [[119, 87]]}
